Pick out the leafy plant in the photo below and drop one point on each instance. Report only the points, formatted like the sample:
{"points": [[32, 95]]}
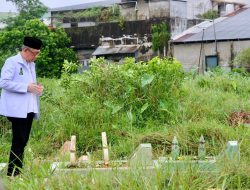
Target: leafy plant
{"points": [[98, 14], [210, 14], [138, 91], [69, 67], [160, 36], [121, 23]]}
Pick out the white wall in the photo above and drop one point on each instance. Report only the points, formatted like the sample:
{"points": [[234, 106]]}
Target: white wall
{"points": [[146, 10], [243, 1], [195, 7], [178, 9], [159, 9]]}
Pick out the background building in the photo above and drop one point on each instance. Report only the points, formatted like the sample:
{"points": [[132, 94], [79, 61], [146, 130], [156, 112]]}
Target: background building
{"points": [[212, 44]]}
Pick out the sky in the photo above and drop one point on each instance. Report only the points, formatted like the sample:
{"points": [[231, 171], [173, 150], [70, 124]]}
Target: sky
{"points": [[6, 6]]}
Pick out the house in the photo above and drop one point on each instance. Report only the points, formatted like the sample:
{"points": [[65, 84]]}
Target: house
{"points": [[213, 43]]}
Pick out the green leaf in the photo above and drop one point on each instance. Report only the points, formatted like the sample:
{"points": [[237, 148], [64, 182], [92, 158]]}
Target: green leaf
{"points": [[146, 79], [130, 115], [234, 85], [144, 107], [115, 108], [164, 106]]}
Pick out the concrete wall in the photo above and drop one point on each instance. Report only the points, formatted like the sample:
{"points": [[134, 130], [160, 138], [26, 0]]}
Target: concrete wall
{"points": [[188, 9], [130, 13], [87, 37], [195, 7], [242, 1], [189, 54], [145, 10], [178, 9], [159, 9]]}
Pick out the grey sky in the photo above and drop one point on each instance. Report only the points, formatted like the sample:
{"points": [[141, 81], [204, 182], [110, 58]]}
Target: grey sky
{"points": [[6, 6]]}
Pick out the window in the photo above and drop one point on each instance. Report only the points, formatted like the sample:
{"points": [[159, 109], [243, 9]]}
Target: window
{"points": [[211, 62]]}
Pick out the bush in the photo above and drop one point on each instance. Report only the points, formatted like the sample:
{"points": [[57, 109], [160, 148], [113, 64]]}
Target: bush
{"points": [[113, 98], [210, 14], [144, 91]]}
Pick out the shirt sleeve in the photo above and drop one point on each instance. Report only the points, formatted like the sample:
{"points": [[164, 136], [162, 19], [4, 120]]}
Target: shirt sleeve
{"points": [[7, 76]]}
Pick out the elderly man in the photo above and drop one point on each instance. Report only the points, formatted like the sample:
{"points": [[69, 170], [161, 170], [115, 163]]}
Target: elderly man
{"points": [[20, 98]]}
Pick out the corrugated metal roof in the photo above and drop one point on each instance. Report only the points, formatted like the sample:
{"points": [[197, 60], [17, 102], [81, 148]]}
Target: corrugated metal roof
{"points": [[229, 1], [83, 6], [121, 49], [235, 26], [197, 28]]}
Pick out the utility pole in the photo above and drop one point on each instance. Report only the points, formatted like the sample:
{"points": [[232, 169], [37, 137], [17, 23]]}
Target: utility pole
{"points": [[215, 39], [200, 67], [169, 28]]}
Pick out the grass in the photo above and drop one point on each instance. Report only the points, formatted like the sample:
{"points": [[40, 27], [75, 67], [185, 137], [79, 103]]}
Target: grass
{"points": [[203, 105]]}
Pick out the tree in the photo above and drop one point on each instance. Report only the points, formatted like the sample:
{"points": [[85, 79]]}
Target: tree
{"points": [[160, 37], [155, 38], [28, 9], [55, 41]]}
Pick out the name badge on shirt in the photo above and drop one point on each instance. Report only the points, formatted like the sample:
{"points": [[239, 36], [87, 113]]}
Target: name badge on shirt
{"points": [[21, 71]]}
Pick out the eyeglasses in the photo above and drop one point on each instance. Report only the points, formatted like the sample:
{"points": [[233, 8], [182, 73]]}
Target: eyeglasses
{"points": [[35, 53]]}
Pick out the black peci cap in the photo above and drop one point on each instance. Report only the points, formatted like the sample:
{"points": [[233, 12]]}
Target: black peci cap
{"points": [[32, 42]]}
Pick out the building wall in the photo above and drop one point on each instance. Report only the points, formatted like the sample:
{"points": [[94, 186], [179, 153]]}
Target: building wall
{"points": [[88, 37], [189, 54], [195, 7], [159, 9], [178, 17], [247, 2], [178, 9], [130, 13], [144, 10]]}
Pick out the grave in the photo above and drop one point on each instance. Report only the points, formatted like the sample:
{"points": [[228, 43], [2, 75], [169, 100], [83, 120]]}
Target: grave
{"points": [[142, 158]]}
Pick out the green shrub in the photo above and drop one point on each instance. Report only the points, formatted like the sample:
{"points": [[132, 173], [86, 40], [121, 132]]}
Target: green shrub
{"points": [[210, 14], [113, 98], [143, 90]]}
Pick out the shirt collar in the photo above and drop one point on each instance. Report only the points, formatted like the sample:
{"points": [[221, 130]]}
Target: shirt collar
{"points": [[21, 60]]}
